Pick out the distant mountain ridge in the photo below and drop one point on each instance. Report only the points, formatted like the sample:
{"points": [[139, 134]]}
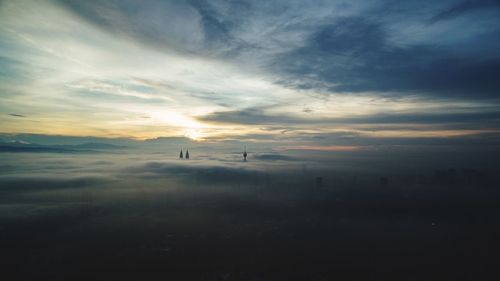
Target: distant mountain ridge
{"points": [[22, 146], [92, 145]]}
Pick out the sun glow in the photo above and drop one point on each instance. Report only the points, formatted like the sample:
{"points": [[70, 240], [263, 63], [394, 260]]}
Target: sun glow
{"points": [[193, 134], [190, 127], [176, 119]]}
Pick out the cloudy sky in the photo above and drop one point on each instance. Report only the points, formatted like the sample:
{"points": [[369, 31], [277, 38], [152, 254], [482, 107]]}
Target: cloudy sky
{"points": [[310, 72]]}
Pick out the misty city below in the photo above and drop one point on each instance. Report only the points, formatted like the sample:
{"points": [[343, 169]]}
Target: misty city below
{"points": [[127, 212]]}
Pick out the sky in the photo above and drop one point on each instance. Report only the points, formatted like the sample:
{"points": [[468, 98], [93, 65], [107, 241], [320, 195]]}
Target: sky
{"points": [[309, 75]]}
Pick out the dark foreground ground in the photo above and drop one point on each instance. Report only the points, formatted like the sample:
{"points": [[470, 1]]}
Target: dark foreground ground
{"points": [[265, 228]]}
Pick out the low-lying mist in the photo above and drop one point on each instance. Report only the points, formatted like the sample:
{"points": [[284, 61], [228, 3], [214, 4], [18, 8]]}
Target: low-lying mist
{"points": [[128, 215]]}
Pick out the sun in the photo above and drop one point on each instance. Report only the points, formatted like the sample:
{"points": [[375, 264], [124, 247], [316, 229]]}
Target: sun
{"points": [[193, 134]]}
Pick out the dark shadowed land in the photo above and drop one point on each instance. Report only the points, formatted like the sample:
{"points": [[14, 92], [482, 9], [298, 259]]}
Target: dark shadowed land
{"points": [[353, 216]]}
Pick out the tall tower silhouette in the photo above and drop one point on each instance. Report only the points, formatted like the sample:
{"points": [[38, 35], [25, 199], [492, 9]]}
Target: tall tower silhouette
{"points": [[245, 154], [180, 155], [187, 154]]}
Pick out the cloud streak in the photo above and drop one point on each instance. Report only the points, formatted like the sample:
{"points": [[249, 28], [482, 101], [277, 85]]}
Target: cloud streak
{"points": [[16, 115], [465, 8]]}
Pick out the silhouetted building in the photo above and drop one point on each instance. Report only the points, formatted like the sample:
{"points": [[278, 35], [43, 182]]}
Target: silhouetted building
{"points": [[267, 180], [319, 183], [421, 179], [445, 176], [384, 181], [471, 176]]}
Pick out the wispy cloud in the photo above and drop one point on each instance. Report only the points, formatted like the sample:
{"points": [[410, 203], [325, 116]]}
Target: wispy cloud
{"points": [[464, 8], [218, 70], [324, 148], [17, 115]]}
